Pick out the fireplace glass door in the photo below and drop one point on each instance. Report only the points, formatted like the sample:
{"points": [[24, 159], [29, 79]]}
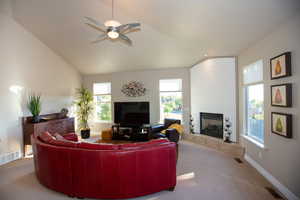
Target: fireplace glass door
{"points": [[211, 124]]}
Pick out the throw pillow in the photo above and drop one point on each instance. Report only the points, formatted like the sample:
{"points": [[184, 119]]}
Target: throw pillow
{"points": [[58, 136], [178, 127], [46, 137]]}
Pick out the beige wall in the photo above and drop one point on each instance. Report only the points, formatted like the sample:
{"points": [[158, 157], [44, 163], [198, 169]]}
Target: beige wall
{"points": [[26, 64], [281, 158], [150, 79]]}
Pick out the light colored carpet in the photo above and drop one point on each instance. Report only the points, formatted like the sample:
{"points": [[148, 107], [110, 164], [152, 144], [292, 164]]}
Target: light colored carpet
{"points": [[202, 174]]}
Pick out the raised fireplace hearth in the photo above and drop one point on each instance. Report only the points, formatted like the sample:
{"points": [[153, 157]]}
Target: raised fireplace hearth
{"points": [[211, 124]]}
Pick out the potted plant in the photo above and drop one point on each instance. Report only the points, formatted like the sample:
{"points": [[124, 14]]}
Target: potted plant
{"points": [[34, 105], [84, 108]]}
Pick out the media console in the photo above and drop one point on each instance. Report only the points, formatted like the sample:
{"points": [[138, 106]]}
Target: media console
{"points": [[131, 132]]}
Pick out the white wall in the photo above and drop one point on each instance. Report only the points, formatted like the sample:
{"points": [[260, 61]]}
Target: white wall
{"points": [[26, 64], [213, 89], [281, 158], [150, 79]]}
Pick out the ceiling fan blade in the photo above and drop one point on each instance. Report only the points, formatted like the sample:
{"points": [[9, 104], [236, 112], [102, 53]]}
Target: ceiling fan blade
{"points": [[126, 27], [96, 27], [100, 38], [93, 21], [125, 38], [131, 30], [94, 24], [134, 25]]}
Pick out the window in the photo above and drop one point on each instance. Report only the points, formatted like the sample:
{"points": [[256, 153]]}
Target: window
{"points": [[170, 99], [102, 99], [254, 101]]}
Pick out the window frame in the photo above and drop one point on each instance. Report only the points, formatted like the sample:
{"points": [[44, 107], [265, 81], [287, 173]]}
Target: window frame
{"points": [[166, 92], [96, 119], [245, 107]]}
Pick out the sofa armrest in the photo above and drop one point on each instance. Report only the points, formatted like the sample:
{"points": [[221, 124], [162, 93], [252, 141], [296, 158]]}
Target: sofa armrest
{"points": [[157, 136], [173, 135], [168, 122], [157, 128], [71, 136]]}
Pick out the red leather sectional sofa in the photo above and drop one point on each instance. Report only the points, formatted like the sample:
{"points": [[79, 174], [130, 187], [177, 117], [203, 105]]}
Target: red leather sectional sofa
{"points": [[88, 170]]}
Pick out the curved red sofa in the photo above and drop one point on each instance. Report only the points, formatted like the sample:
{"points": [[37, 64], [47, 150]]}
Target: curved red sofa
{"points": [[88, 170]]}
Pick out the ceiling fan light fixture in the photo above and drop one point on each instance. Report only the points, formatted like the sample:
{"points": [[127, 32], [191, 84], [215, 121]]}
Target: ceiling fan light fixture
{"points": [[113, 34], [112, 23], [113, 29]]}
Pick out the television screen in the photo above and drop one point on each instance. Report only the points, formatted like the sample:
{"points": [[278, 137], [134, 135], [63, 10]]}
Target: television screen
{"points": [[131, 113]]}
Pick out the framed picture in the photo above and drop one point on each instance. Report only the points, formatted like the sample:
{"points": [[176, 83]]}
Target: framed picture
{"points": [[281, 66], [281, 95], [281, 124]]}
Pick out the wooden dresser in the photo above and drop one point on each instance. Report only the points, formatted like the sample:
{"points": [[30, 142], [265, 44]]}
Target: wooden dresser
{"points": [[53, 123]]}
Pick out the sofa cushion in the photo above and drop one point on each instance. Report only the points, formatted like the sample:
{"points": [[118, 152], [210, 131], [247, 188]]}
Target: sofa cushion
{"points": [[142, 144], [96, 146], [65, 143], [71, 136], [46, 137], [49, 139]]}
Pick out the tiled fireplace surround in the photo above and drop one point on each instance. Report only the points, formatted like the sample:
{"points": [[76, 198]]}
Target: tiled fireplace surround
{"points": [[214, 139]]}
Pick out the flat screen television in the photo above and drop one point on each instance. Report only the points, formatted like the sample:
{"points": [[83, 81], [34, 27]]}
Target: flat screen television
{"points": [[132, 113]]}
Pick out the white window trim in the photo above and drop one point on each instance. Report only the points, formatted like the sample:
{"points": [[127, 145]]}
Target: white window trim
{"points": [[160, 92], [162, 120], [246, 135], [96, 120], [102, 94], [170, 91], [254, 83], [245, 130], [256, 142]]}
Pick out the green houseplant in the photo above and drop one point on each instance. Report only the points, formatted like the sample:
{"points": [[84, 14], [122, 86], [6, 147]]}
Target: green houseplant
{"points": [[84, 108], [34, 105]]}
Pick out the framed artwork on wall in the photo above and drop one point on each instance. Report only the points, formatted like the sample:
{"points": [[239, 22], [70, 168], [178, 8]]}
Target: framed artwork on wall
{"points": [[281, 95], [281, 124], [281, 66]]}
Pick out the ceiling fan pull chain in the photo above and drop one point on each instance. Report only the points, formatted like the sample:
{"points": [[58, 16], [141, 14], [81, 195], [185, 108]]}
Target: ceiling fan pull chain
{"points": [[112, 9]]}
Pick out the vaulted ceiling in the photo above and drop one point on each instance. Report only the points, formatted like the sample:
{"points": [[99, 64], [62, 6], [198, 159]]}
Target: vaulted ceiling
{"points": [[174, 33]]}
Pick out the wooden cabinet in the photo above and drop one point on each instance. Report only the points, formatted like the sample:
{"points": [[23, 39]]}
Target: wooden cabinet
{"points": [[53, 123]]}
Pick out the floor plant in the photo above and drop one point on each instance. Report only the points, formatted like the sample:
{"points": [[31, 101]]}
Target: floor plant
{"points": [[84, 108]]}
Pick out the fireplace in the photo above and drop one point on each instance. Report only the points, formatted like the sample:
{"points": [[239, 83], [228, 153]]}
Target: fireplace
{"points": [[211, 124]]}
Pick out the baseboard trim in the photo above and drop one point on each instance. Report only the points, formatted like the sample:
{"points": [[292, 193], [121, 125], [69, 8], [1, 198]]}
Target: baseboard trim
{"points": [[9, 157], [280, 187]]}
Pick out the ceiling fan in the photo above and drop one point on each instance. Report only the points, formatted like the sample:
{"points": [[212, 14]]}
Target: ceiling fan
{"points": [[112, 29]]}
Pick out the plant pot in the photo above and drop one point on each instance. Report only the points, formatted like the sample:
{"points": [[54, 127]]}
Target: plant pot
{"points": [[85, 133], [227, 139], [36, 119]]}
